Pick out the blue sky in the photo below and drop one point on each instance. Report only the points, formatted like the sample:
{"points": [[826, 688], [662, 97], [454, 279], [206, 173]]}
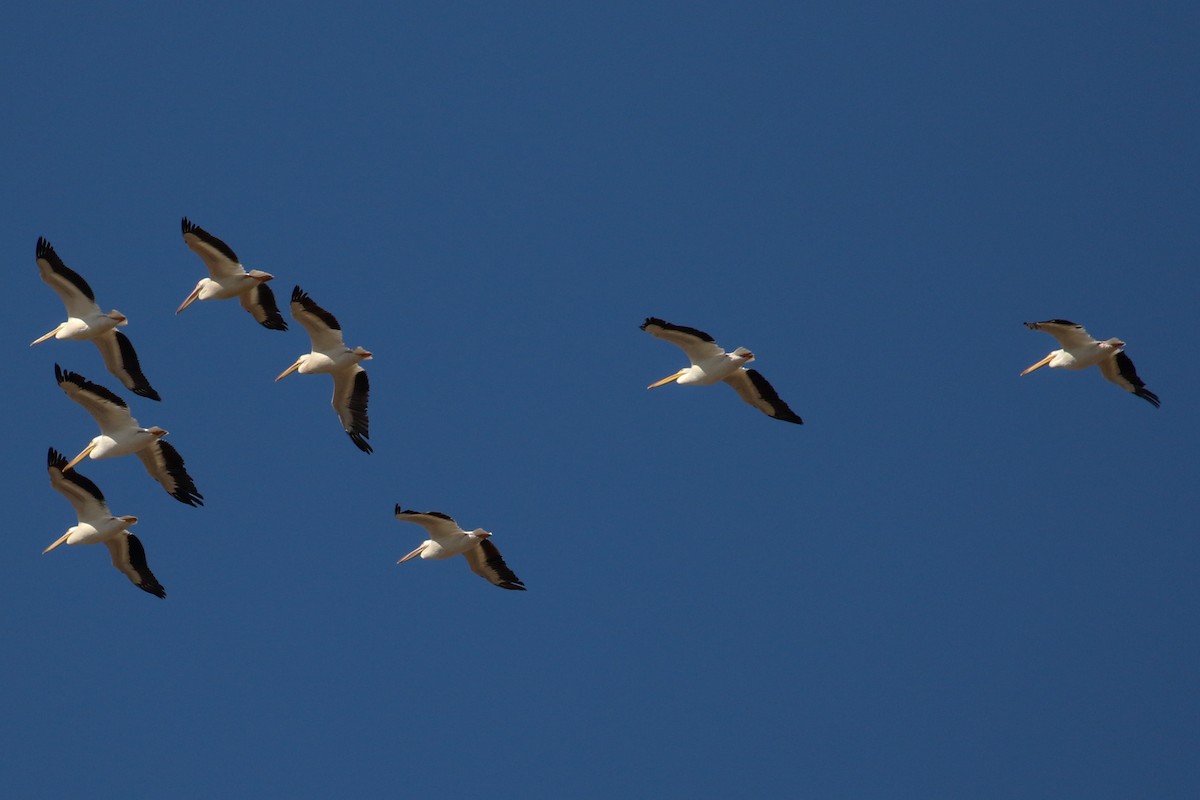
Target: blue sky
{"points": [[950, 582]]}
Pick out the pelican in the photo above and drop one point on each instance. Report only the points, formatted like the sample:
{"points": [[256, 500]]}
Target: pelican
{"points": [[448, 540], [710, 363], [85, 320], [330, 354], [121, 435], [228, 278], [1080, 351], [97, 524]]}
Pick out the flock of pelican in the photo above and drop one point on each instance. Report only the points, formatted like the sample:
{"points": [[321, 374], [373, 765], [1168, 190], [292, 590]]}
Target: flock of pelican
{"points": [[121, 435]]}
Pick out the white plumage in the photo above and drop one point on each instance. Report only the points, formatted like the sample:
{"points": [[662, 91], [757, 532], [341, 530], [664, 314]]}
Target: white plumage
{"points": [[711, 364], [121, 435], [86, 322], [1080, 351], [447, 540], [228, 278], [330, 355], [96, 525]]}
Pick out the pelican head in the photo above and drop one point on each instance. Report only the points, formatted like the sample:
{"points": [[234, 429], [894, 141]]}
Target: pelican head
{"points": [[117, 317], [157, 431], [132, 520], [480, 533], [260, 276], [362, 354]]}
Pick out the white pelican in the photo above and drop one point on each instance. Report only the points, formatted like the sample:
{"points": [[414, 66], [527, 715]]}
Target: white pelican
{"points": [[330, 354], [97, 524], [228, 278], [448, 540], [710, 364], [1080, 351], [85, 320], [121, 435]]}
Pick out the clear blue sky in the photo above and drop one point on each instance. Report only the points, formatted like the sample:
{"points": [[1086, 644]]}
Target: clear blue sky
{"points": [[950, 582]]}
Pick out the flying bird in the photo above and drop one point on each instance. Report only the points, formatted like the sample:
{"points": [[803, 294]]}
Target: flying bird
{"points": [[120, 435], [85, 321], [448, 540], [228, 278], [330, 354], [97, 524], [1080, 351], [710, 364]]}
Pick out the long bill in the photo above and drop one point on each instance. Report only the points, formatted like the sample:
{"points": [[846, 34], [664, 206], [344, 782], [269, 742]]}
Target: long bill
{"points": [[191, 298], [413, 554], [59, 541], [79, 457], [291, 369], [667, 379], [41, 339], [1038, 365]]}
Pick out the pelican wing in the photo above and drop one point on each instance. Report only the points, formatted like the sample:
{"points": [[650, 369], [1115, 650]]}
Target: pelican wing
{"points": [[437, 524], [165, 465], [1119, 369], [129, 557], [219, 257], [1069, 334], [752, 387], [350, 390], [260, 302], [485, 561], [122, 361], [85, 497], [109, 411], [322, 327], [698, 345], [71, 288]]}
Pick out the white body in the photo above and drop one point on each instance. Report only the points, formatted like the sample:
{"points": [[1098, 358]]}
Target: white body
{"points": [[447, 540], [97, 525], [711, 364], [331, 356]]}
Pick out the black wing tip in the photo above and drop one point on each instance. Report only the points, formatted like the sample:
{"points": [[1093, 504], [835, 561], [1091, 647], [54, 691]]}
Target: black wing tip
{"points": [[189, 226], [274, 324], [1033, 326], [55, 459], [299, 295], [667, 326], [44, 248], [146, 392], [1149, 396], [783, 412], [360, 442], [517, 586]]}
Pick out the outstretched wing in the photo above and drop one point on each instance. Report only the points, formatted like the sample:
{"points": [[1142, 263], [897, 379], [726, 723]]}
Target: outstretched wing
{"points": [[70, 287], [260, 302], [165, 465], [219, 257], [122, 361], [1069, 334], [1119, 369], [752, 387], [437, 524], [129, 557], [485, 561], [350, 389], [322, 327], [109, 411], [697, 344]]}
